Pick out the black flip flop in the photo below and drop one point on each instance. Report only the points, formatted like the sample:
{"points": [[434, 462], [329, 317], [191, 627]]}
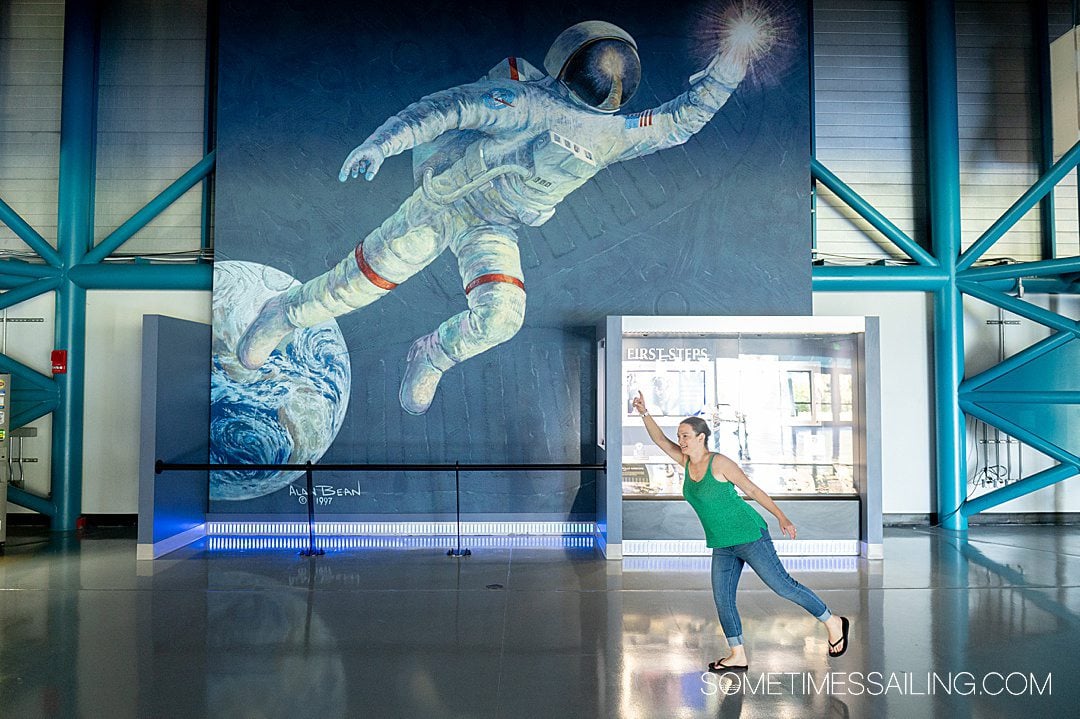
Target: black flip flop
{"points": [[845, 625], [719, 666]]}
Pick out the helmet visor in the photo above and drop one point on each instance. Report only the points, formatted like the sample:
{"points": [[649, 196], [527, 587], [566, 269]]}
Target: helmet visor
{"points": [[603, 74]]}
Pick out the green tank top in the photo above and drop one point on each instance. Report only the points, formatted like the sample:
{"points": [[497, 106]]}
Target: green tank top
{"points": [[727, 518]]}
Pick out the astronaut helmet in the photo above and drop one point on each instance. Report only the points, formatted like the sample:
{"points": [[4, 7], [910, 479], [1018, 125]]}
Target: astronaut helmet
{"points": [[597, 62]]}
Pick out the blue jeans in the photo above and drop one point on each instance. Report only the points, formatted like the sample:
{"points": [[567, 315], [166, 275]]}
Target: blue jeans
{"points": [[727, 566]]}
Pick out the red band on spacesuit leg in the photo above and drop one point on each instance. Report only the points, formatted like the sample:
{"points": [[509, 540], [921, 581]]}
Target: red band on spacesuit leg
{"points": [[513, 68], [495, 277], [372, 275]]}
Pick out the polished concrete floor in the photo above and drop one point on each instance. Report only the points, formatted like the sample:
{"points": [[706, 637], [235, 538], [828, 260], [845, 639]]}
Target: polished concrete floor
{"points": [[943, 627]]}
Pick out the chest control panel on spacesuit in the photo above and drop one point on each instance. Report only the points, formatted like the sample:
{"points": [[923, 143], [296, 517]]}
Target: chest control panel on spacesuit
{"points": [[558, 160]]}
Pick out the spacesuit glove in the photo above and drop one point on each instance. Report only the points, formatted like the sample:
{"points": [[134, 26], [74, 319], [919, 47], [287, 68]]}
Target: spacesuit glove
{"points": [[366, 159], [728, 69]]}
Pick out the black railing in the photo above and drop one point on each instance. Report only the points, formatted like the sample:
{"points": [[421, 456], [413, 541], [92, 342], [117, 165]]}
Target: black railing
{"points": [[309, 469]]}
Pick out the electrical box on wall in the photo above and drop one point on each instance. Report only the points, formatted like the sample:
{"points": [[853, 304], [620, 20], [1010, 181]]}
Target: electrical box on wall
{"points": [[59, 361]]}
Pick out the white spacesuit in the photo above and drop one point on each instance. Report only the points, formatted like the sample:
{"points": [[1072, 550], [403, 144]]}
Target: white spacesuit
{"points": [[490, 156]]}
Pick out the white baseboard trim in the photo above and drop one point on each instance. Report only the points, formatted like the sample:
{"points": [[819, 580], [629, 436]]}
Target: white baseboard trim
{"points": [[784, 547], [704, 564], [872, 551], [156, 550], [613, 551]]}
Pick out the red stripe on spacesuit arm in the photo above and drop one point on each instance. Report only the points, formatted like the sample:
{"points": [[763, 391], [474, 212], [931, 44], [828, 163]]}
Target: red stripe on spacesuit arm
{"points": [[513, 68], [372, 275], [494, 277]]}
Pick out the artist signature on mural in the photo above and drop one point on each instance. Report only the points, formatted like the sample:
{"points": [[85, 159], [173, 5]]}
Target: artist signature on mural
{"points": [[323, 493]]}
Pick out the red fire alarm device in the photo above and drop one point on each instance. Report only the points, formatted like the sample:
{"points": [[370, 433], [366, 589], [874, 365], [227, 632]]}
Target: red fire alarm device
{"points": [[59, 361]]}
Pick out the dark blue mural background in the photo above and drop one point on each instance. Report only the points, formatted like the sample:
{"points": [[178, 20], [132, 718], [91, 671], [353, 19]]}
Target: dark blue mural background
{"points": [[719, 225]]}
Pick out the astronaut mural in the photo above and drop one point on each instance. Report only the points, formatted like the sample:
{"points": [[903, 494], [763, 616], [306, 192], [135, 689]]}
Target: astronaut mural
{"points": [[491, 160], [502, 152]]}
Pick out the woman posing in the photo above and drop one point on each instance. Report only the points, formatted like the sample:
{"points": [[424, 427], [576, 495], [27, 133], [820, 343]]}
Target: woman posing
{"points": [[737, 534]]}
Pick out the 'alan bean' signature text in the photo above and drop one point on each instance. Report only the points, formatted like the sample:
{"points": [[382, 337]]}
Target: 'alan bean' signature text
{"points": [[323, 493]]}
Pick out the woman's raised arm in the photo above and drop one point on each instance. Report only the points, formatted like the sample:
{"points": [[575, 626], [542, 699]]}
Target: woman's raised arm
{"points": [[656, 434]]}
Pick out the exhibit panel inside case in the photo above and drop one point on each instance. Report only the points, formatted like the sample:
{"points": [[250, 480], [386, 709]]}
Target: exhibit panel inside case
{"points": [[788, 398], [780, 405]]}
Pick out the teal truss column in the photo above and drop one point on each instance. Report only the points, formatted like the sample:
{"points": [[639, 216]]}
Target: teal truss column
{"points": [[76, 266], [75, 232], [943, 181]]}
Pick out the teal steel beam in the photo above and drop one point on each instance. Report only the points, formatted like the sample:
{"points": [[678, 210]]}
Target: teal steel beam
{"points": [[1042, 268], [949, 424], [21, 497], [28, 291], [75, 232], [1030, 438], [1029, 199], [1019, 307], [943, 191], [210, 121], [18, 268], [1017, 360], [110, 276], [1034, 286], [871, 214], [152, 209], [28, 234], [35, 411], [1023, 396], [9, 283], [882, 278], [24, 374], [1027, 485], [33, 395]]}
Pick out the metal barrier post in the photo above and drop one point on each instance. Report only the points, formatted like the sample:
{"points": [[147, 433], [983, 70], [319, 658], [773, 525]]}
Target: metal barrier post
{"points": [[312, 550], [459, 552]]}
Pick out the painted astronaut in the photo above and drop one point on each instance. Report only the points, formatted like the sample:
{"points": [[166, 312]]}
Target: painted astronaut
{"points": [[490, 156]]}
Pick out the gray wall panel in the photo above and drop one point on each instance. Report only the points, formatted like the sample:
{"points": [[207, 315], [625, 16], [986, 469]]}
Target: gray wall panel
{"points": [[31, 60], [175, 426], [867, 128], [152, 76], [869, 123]]}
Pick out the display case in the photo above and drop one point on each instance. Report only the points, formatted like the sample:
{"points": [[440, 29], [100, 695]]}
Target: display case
{"points": [[781, 405], [793, 400]]}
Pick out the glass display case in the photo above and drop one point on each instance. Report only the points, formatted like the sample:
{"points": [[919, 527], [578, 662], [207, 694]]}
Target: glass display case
{"points": [[782, 405]]}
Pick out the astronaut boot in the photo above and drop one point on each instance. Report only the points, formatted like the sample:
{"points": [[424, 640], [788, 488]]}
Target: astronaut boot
{"points": [[270, 327], [340, 290], [425, 365]]}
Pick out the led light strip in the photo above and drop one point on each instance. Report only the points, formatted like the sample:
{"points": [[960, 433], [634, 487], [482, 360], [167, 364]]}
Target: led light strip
{"points": [[223, 543], [397, 529]]}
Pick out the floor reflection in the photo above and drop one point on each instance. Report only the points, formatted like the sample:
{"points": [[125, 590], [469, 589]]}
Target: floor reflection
{"points": [[270, 653], [536, 629]]}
